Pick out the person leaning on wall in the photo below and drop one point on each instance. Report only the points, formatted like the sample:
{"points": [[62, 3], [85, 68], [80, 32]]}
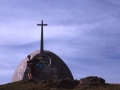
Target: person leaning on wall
{"points": [[29, 68]]}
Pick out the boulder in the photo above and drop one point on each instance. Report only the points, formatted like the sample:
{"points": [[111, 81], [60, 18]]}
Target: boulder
{"points": [[92, 80]]}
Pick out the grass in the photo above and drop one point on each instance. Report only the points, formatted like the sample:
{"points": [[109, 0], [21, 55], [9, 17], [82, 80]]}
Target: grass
{"points": [[39, 85]]}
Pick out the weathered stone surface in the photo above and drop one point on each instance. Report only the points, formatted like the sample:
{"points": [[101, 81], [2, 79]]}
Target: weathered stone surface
{"points": [[56, 69], [92, 80], [19, 72]]}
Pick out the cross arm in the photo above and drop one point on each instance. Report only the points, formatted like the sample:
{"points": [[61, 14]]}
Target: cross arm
{"points": [[41, 24]]}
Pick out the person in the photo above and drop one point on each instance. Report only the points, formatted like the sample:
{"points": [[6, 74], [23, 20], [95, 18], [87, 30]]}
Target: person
{"points": [[29, 67]]}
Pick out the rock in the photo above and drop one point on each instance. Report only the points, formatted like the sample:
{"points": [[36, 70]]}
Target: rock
{"points": [[92, 80]]}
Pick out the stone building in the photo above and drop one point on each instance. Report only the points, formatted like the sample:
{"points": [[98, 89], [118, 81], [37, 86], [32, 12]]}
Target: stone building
{"points": [[47, 65]]}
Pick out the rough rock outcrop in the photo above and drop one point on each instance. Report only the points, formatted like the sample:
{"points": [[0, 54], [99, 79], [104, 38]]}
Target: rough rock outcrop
{"points": [[92, 80]]}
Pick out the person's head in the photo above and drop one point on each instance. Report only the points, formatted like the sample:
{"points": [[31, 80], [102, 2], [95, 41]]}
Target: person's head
{"points": [[29, 57]]}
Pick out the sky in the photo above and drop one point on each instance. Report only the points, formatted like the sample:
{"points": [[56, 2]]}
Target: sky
{"points": [[83, 33]]}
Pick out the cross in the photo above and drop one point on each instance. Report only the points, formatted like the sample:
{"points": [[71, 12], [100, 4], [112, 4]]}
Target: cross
{"points": [[41, 49]]}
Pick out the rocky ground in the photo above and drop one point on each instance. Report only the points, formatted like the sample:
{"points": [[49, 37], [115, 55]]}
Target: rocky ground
{"points": [[88, 83]]}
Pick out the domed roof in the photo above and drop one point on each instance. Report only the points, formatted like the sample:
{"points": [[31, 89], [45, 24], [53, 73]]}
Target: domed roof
{"points": [[57, 68]]}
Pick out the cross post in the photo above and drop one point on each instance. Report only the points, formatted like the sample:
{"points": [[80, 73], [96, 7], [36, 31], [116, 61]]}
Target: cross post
{"points": [[41, 47]]}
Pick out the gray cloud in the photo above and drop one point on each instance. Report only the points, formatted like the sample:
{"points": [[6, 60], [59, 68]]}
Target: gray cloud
{"points": [[84, 33]]}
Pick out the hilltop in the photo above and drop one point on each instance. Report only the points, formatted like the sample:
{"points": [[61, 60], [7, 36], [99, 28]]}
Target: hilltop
{"points": [[53, 85]]}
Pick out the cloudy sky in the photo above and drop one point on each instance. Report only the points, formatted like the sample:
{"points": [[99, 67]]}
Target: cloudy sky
{"points": [[84, 33]]}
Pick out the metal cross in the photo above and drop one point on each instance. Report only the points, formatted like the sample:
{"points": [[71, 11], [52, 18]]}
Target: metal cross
{"points": [[41, 49]]}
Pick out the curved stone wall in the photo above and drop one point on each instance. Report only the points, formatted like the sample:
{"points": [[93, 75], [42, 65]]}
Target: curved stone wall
{"points": [[57, 69]]}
